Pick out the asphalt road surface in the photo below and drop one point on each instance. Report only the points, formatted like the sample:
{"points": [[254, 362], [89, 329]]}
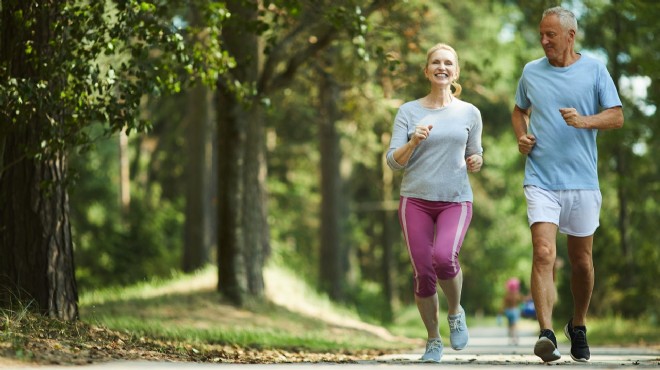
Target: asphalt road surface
{"points": [[488, 349]]}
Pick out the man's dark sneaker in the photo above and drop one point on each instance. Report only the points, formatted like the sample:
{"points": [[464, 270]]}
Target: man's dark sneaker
{"points": [[546, 346], [578, 337]]}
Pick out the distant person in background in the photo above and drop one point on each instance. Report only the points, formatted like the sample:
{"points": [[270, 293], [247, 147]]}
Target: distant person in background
{"points": [[562, 101], [511, 308], [436, 141]]}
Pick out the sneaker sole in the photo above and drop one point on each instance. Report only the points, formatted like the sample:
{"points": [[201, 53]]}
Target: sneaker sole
{"points": [[462, 347], [579, 359], [570, 341], [546, 350]]}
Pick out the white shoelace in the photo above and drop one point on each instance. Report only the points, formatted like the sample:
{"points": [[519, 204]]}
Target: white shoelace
{"points": [[433, 345], [455, 324]]}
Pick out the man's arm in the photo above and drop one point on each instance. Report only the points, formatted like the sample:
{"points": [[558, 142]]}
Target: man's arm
{"points": [[520, 122], [610, 118]]}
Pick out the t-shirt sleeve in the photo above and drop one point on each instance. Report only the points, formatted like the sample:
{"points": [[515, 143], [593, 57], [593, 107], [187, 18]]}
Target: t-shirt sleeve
{"points": [[608, 97], [522, 100]]}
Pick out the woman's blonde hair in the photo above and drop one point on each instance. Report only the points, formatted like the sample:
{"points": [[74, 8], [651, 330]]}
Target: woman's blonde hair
{"points": [[440, 46]]}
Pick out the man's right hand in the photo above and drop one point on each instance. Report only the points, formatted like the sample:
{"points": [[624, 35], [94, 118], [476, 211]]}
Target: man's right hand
{"points": [[526, 143]]}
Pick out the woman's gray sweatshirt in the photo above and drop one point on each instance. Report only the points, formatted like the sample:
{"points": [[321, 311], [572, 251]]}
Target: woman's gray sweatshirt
{"points": [[437, 170]]}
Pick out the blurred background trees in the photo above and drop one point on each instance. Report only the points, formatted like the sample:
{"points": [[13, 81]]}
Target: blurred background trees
{"points": [[279, 158]]}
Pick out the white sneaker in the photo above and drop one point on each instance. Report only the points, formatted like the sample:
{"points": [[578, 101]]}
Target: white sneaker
{"points": [[433, 351], [458, 331]]}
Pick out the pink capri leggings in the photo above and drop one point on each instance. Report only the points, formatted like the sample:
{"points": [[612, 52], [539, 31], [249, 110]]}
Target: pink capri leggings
{"points": [[434, 233]]}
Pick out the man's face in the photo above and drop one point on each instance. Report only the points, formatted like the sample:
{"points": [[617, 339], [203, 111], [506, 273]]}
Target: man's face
{"points": [[555, 40]]}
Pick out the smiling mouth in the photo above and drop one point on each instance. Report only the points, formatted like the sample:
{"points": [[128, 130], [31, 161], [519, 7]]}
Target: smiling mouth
{"points": [[441, 74]]}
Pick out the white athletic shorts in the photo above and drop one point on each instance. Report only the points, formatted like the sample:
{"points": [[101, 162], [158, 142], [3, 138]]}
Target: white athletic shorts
{"points": [[576, 212]]}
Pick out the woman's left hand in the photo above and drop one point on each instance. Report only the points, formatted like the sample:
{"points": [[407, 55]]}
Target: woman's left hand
{"points": [[474, 163]]}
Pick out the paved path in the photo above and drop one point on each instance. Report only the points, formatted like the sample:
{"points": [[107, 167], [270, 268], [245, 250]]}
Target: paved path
{"points": [[488, 349]]}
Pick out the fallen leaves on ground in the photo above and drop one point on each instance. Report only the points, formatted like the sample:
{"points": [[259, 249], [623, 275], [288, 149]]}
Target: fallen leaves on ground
{"points": [[40, 340]]}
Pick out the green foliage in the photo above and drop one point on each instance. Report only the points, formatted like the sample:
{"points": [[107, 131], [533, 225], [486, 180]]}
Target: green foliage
{"points": [[378, 65], [103, 57], [112, 248], [625, 249]]}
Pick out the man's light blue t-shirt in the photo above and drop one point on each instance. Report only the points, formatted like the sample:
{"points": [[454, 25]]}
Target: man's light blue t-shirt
{"points": [[564, 157]]}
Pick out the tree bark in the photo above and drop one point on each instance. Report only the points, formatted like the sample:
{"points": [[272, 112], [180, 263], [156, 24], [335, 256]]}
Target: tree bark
{"points": [[124, 175], [621, 154], [199, 193], [389, 222], [36, 249], [243, 241], [35, 234], [333, 251]]}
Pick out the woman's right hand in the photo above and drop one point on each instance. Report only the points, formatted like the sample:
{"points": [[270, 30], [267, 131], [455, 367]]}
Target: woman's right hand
{"points": [[421, 133]]}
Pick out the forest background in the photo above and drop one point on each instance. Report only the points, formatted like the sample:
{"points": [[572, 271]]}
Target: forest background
{"points": [[165, 136]]}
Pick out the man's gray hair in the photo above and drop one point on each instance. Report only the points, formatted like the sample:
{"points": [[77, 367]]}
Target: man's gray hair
{"points": [[566, 17]]}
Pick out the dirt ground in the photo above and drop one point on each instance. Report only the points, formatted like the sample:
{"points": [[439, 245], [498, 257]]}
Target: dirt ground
{"points": [[36, 340]]}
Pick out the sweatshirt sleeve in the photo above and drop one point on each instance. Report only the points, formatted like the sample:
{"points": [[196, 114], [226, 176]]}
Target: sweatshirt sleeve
{"points": [[474, 135], [399, 138]]}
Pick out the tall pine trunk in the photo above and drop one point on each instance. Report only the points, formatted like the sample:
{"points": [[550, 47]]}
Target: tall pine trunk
{"points": [[200, 223], [620, 155], [199, 193], [243, 241], [332, 269], [36, 249], [35, 233]]}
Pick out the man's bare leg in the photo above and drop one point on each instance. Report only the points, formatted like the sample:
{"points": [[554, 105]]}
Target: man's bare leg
{"points": [[582, 276], [544, 240]]}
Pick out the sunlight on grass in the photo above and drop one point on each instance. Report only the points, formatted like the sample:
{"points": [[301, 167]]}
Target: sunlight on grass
{"points": [[284, 288], [179, 282], [188, 308], [314, 340]]}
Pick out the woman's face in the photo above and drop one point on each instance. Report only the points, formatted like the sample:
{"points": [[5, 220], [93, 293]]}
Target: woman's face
{"points": [[441, 68]]}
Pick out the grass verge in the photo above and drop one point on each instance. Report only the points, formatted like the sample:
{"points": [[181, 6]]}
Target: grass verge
{"points": [[185, 319]]}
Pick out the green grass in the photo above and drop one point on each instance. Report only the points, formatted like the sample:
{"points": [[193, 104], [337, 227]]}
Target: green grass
{"points": [[187, 309], [185, 318], [623, 332]]}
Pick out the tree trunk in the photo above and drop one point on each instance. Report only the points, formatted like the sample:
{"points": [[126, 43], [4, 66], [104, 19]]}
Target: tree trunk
{"points": [[621, 158], [35, 235], [199, 193], [124, 175], [243, 241], [389, 222], [333, 252]]}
